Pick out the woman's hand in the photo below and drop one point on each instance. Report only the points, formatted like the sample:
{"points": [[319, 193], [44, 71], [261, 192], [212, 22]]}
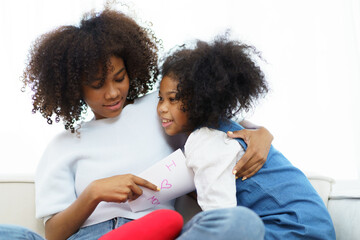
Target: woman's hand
{"points": [[258, 145], [119, 188]]}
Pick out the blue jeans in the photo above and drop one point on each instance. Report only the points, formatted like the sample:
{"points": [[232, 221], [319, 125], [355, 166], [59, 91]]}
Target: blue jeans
{"points": [[226, 223], [8, 232]]}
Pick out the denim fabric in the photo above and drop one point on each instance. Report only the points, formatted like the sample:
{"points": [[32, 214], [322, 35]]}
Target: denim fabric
{"points": [[13, 232], [95, 231], [283, 197], [224, 223]]}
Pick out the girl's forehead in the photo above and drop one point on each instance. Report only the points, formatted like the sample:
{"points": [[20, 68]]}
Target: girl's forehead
{"points": [[169, 81], [168, 85]]}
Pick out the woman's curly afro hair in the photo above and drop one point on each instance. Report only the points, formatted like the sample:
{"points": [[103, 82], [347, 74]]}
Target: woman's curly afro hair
{"points": [[215, 80], [61, 61]]}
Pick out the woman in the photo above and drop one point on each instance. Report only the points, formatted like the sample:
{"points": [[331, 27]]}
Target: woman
{"points": [[87, 174]]}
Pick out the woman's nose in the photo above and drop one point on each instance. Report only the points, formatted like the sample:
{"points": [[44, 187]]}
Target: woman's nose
{"points": [[112, 91]]}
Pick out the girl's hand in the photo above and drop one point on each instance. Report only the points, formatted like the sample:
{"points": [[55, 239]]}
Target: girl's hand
{"points": [[258, 145], [119, 188]]}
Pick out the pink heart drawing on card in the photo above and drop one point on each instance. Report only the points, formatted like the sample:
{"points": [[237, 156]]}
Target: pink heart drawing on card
{"points": [[165, 184]]}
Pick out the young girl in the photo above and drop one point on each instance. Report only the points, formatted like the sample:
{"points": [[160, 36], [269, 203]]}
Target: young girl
{"points": [[107, 64], [201, 89]]}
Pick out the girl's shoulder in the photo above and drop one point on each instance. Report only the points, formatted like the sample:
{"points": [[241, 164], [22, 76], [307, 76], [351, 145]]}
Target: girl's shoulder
{"points": [[210, 133], [210, 144], [205, 137]]}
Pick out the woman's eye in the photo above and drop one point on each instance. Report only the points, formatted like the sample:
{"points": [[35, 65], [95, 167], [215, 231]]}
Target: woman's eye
{"points": [[172, 99], [160, 98], [97, 85], [120, 79]]}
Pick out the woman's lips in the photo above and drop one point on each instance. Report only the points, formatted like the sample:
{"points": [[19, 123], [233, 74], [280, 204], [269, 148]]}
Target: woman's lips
{"points": [[114, 106]]}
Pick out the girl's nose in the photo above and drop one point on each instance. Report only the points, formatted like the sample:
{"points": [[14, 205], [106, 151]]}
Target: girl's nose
{"points": [[162, 108]]}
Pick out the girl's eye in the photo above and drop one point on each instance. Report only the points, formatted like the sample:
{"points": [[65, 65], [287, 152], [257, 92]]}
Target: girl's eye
{"points": [[160, 98], [172, 99]]}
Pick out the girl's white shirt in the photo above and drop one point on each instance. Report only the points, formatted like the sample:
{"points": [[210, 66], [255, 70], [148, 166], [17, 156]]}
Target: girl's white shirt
{"points": [[129, 143], [212, 155]]}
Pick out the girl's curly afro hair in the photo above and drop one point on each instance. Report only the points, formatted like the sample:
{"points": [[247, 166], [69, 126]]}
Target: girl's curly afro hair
{"points": [[215, 80], [61, 61]]}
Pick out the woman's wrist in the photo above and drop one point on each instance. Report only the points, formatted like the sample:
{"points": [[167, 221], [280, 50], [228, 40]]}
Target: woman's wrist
{"points": [[92, 193]]}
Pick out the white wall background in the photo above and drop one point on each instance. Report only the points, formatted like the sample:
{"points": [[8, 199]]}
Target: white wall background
{"points": [[312, 48]]}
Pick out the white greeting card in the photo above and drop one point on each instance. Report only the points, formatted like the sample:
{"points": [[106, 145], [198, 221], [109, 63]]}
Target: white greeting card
{"points": [[172, 177]]}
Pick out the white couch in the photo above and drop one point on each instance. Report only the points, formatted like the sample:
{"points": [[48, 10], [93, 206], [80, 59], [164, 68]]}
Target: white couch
{"points": [[342, 199]]}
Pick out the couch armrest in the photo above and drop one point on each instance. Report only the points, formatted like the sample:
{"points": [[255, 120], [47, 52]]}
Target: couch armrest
{"points": [[344, 208], [17, 203], [322, 184]]}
